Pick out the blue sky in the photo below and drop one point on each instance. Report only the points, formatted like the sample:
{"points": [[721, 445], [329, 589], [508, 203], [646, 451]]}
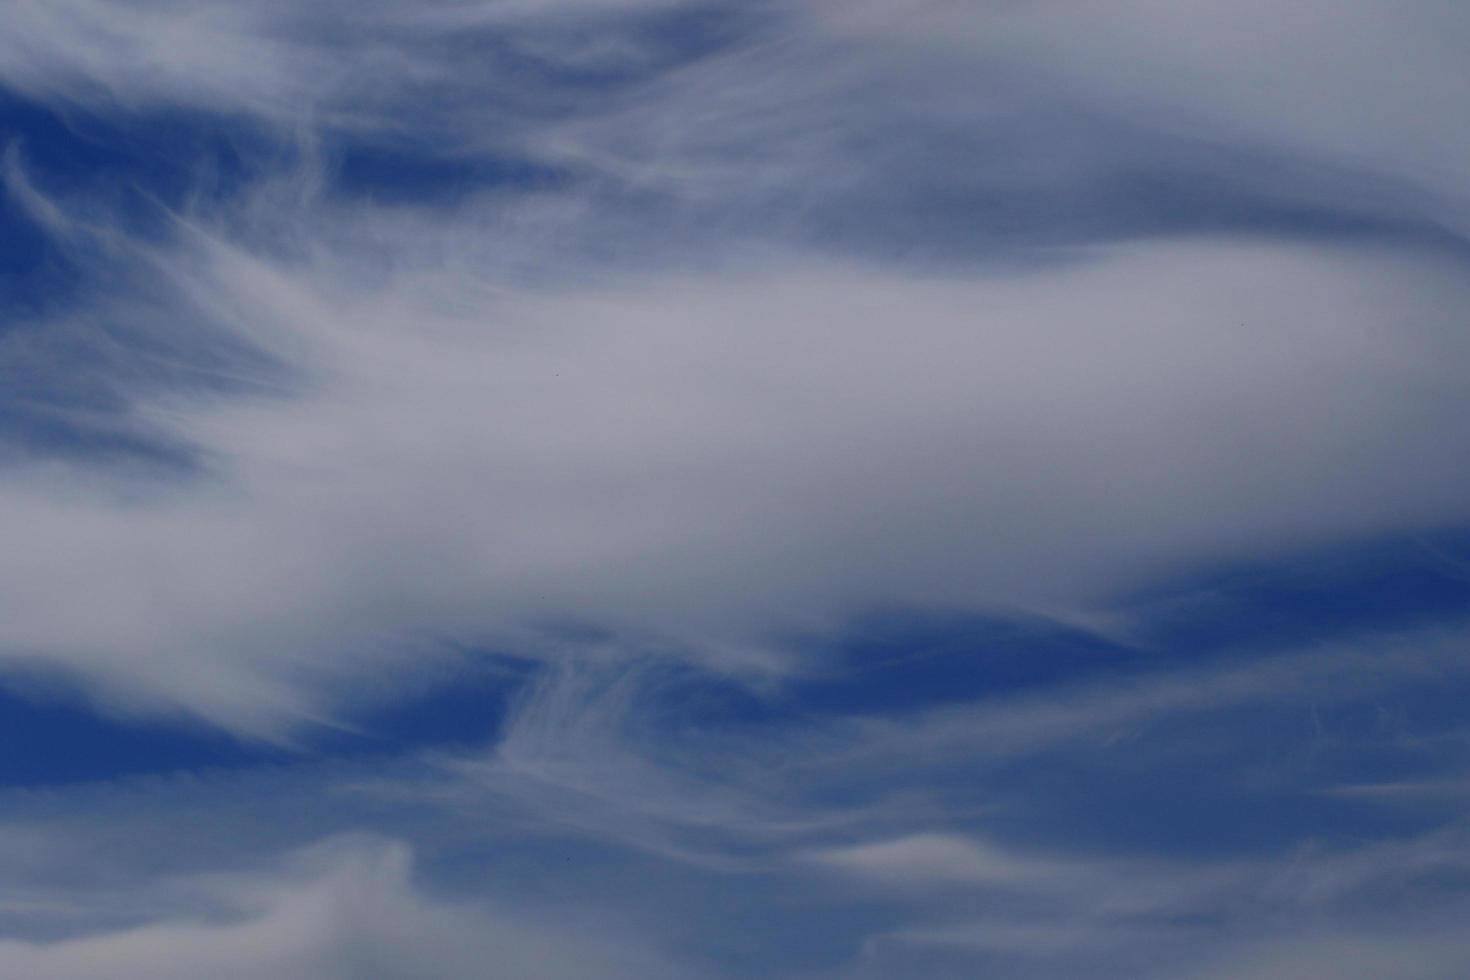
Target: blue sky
{"points": [[637, 488]]}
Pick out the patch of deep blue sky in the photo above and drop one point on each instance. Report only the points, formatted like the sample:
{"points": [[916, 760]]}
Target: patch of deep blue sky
{"points": [[1237, 777]]}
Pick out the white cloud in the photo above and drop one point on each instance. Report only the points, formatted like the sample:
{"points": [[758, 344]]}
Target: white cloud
{"points": [[934, 857], [345, 908], [704, 452], [708, 461], [690, 430], [1368, 85], [302, 67], [601, 816]]}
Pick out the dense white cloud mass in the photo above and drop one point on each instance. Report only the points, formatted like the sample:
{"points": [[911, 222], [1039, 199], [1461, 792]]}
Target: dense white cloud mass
{"points": [[658, 346], [713, 462]]}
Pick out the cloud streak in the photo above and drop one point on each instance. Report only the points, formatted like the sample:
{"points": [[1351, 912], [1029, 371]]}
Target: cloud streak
{"points": [[1043, 441], [658, 348]]}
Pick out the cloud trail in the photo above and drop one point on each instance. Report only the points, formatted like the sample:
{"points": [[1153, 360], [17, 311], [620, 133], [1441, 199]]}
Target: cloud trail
{"points": [[658, 350]]}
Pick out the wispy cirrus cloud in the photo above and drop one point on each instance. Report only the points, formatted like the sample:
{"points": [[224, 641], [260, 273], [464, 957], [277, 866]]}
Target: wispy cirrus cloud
{"points": [[1040, 441], [607, 782], [342, 908], [661, 349]]}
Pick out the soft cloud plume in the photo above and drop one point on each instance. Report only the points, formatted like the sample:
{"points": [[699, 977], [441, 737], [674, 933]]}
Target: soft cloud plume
{"points": [[1040, 440], [652, 344], [345, 908]]}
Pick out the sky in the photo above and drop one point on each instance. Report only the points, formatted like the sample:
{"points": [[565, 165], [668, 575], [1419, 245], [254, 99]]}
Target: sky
{"points": [[578, 489]]}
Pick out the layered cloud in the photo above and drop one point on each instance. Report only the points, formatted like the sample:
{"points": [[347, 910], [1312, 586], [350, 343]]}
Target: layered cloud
{"points": [[714, 463], [344, 908], [613, 829], [675, 351]]}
